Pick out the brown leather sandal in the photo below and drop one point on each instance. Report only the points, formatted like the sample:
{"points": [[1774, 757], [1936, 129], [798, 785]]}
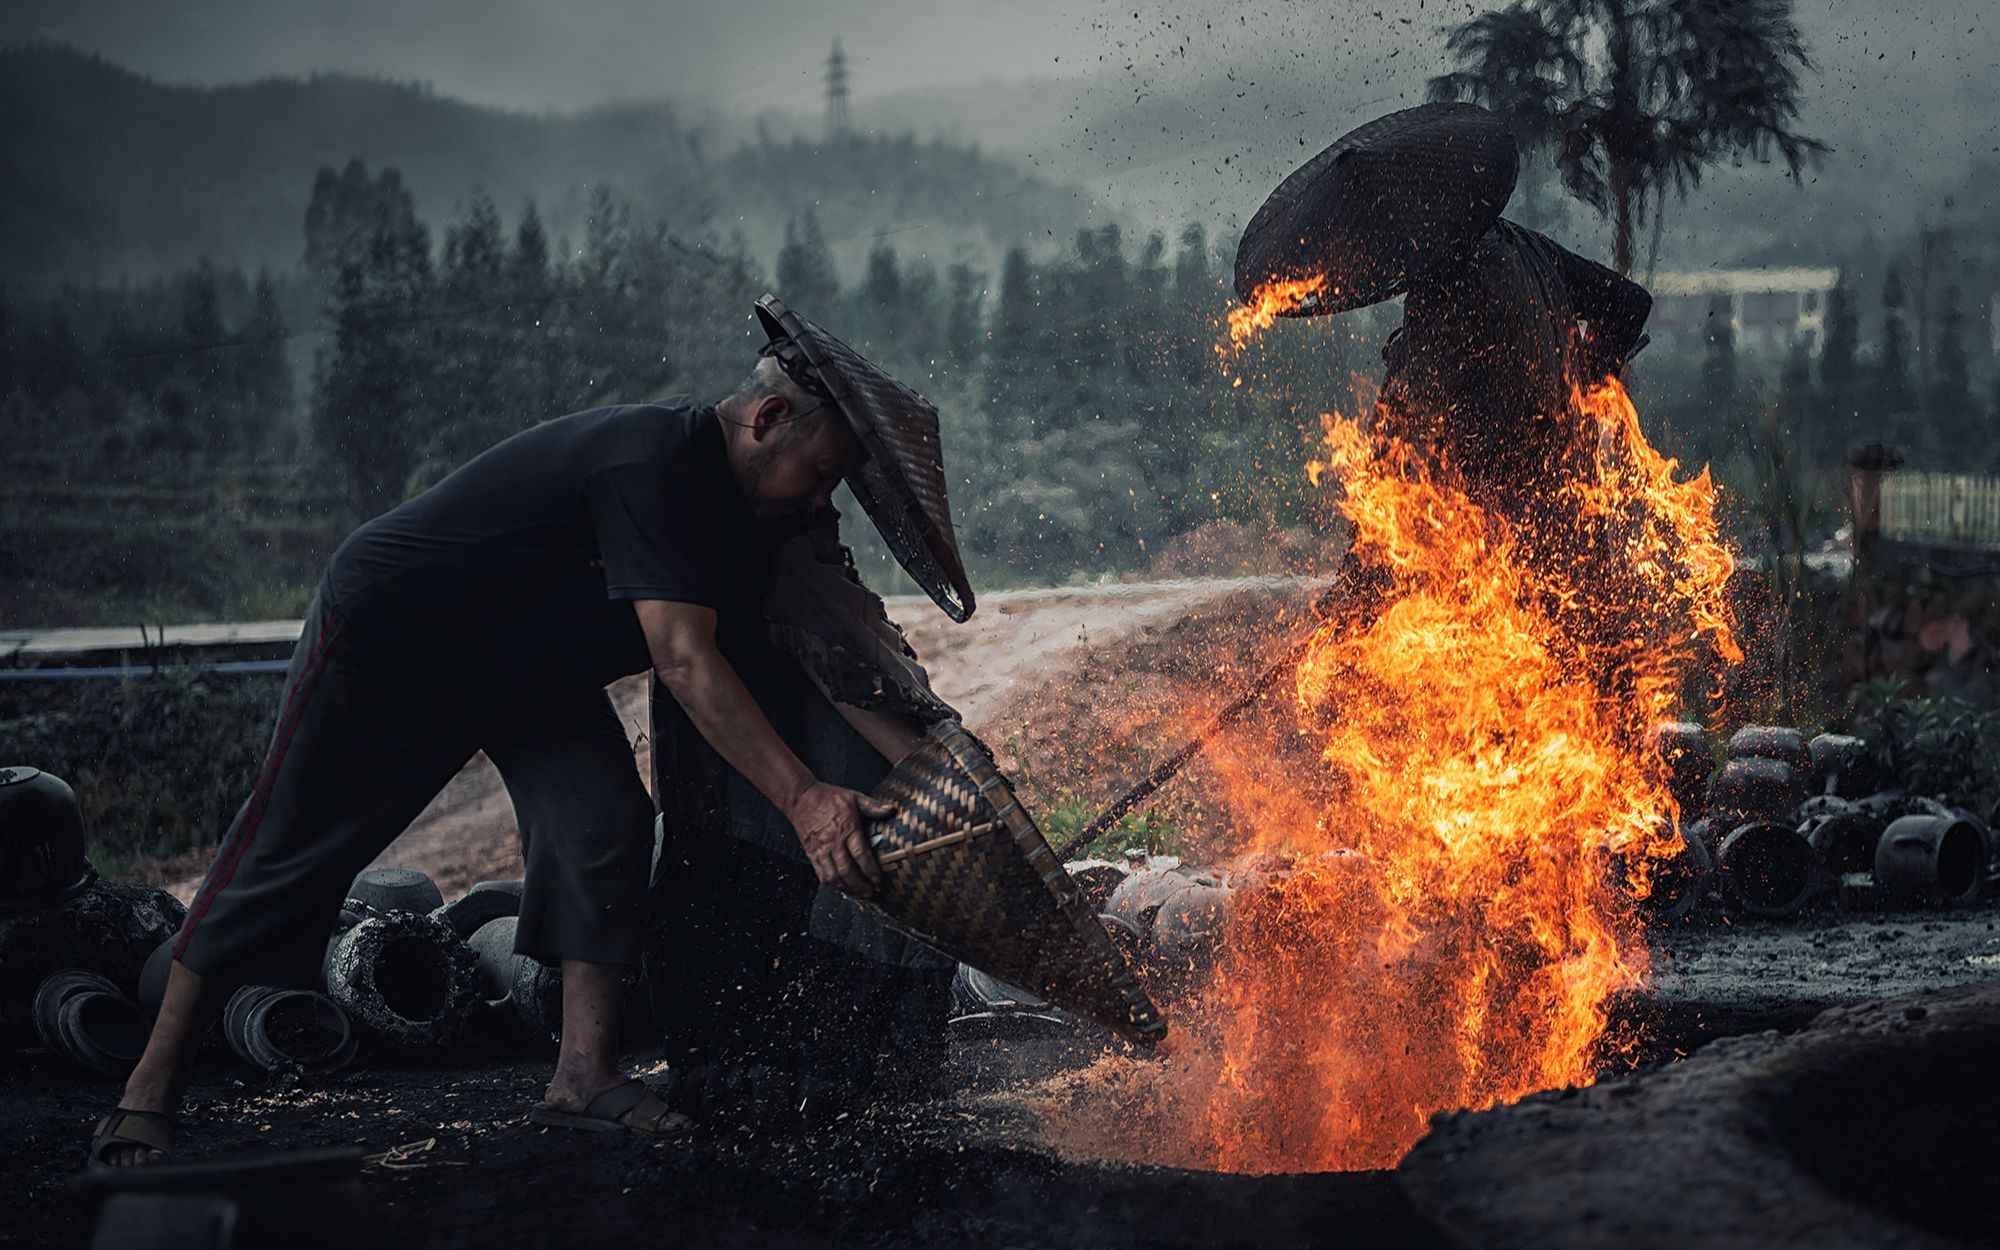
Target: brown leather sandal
{"points": [[152, 1131], [627, 1108]]}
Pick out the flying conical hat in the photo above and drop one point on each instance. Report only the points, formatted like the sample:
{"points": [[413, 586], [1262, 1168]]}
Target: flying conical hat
{"points": [[1363, 212], [902, 483], [965, 869]]}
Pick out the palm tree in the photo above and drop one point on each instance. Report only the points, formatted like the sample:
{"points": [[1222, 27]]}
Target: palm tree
{"points": [[1635, 97]]}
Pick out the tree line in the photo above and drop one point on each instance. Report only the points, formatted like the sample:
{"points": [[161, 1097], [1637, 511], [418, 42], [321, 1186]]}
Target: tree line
{"points": [[1912, 388], [1088, 413], [1091, 414]]}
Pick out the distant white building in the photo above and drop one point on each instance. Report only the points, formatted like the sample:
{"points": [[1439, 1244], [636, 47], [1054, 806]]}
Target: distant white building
{"points": [[1769, 309]]}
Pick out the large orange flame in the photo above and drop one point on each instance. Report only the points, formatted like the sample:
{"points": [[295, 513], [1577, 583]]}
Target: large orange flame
{"points": [[1453, 921]]}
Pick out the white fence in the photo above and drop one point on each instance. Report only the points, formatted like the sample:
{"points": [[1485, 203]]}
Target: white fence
{"points": [[1942, 510]]}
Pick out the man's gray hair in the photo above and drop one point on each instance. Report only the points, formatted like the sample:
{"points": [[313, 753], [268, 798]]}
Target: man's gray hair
{"points": [[770, 378]]}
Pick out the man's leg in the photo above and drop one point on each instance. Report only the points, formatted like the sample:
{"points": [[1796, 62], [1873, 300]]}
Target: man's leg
{"points": [[352, 761], [586, 832], [593, 1004], [190, 1006]]}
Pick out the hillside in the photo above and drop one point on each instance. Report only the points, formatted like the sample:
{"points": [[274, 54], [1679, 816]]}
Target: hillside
{"points": [[106, 174]]}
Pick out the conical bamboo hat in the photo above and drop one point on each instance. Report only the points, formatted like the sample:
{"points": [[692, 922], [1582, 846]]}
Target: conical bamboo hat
{"points": [[1369, 207], [902, 485]]}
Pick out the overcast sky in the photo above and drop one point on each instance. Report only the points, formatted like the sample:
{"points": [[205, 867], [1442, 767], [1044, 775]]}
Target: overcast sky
{"points": [[566, 54], [1197, 104]]}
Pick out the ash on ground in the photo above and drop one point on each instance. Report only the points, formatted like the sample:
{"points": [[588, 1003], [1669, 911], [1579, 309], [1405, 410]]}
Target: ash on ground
{"points": [[456, 1163]]}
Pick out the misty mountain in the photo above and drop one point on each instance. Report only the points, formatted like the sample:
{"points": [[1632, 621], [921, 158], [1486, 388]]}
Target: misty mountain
{"points": [[105, 174]]}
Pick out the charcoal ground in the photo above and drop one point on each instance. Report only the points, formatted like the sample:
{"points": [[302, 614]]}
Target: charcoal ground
{"points": [[474, 1174], [468, 1170]]}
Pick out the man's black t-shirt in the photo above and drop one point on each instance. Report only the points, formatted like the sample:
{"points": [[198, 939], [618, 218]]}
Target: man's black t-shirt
{"points": [[510, 581]]}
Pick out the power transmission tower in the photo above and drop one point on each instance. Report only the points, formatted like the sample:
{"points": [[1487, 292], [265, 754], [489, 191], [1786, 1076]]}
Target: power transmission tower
{"points": [[836, 92]]}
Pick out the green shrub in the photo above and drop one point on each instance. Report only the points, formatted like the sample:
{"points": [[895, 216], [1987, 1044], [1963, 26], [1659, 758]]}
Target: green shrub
{"points": [[160, 761], [1150, 832], [1942, 747]]}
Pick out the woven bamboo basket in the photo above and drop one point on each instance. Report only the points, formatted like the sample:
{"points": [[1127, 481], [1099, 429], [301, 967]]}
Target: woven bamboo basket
{"points": [[966, 870]]}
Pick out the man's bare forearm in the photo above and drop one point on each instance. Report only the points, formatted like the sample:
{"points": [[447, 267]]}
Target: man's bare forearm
{"points": [[830, 820], [721, 707]]}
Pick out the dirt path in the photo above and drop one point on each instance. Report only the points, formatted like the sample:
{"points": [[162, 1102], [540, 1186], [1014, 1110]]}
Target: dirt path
{"points": [[468, 834], [1022, 635]]}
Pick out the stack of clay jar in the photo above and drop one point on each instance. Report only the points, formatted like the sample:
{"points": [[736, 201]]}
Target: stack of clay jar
{"points": [[71, 944], [1785, 822], [398, 966], [522, 994], [421, 970], [403, 972]]}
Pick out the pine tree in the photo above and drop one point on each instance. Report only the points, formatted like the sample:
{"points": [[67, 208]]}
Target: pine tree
{"points": [[965, 298], [1014, 359], [607, 225], [1147, 336], [1193, 283], [879, 314], [473, 348], [372, 404], [919, 323], [528, 261], [1194, 295], [595, 325], [403, 241], [355, 219], [1892, 381], [1151, 274], [1951, 395], [806, 277], [474, 253], [535, 370], [263, 373], [1092, 291], [362, 414], [335, 227], [204, 358]]}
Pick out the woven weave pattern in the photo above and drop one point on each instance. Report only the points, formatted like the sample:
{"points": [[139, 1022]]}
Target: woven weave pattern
{"points": [[1427, 178], [965, 869], [902, 486]]}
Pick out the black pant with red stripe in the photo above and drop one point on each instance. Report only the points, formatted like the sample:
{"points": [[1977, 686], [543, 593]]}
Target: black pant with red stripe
{"points": [[361, 745]]}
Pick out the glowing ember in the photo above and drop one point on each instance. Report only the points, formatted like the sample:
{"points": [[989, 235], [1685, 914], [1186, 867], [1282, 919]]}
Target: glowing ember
{"points": [[1271, 300], [1452, 926]]}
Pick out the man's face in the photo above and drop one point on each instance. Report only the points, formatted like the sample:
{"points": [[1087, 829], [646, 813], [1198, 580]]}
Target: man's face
{"points": [[784, 470]]}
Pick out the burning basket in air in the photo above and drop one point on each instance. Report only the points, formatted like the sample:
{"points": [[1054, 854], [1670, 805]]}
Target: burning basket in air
{"points": [[966, 870]]}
